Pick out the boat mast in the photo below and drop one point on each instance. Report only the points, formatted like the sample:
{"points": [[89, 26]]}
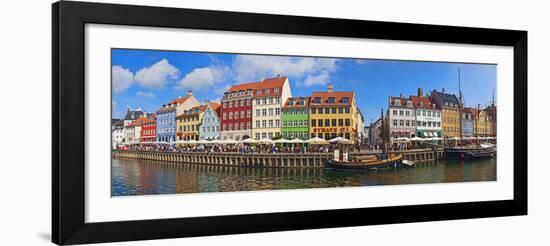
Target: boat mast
{"points": [[460, 106]]}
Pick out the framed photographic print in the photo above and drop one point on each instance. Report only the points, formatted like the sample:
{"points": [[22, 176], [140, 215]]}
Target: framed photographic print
{"points": [[176, 122]]}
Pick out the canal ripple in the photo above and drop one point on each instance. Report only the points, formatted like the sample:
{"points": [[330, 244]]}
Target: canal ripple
{"points": [[143, 177]]}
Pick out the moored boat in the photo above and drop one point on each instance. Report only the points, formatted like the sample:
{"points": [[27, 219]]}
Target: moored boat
{"points": [[366, 162], [470, 152]]}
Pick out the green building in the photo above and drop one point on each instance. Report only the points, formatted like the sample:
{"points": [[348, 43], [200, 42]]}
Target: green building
{"points": [[295, 118]]}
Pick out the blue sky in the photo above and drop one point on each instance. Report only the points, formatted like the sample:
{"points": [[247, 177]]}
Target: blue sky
{"points": [[148, 79]]}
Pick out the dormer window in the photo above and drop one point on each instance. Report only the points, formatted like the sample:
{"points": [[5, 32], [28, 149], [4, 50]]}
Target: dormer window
{"points": [[259, 92], [290, 102], [396, 103], [331, 100], [345, 100], [317, 100], [267, 91], [409, 104], [276, 90]]}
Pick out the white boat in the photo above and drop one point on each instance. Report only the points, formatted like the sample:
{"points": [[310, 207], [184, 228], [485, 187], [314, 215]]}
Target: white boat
{"points": [[407, 163]]}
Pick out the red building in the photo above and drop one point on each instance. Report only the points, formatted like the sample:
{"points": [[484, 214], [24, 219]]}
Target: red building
{"points": [[236, 112], [148, 130]]}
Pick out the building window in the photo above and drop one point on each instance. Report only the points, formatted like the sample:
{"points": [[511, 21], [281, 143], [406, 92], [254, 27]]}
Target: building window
{"points": [[258, 124], [264, 112], [320, 122], [333, 122], [242, 114], [257, 136], [401, 112], [242, 103], [320, 110], [340, 110], [257, 112], [340, 122], [313, 123], [264, 101], [347, 110], [327, 110], [327, 122], [277, 111], [314, 110], [264, 123], [264, 135], [394, 112], [407, 113], [331, 100], [394, 122], [270, 123], [345, 100], [270, 111], [333, 110], [258, 101], [249, 114], [248, 125]]}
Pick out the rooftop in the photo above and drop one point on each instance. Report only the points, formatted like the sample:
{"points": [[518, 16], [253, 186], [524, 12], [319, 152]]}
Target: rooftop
{"points": [[295, 102], [338, 96]]}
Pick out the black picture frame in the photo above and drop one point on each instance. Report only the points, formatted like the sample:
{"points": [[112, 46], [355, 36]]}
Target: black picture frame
{"points": [[68, 117]]}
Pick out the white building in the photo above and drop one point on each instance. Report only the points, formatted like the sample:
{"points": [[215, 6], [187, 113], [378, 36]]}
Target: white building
{"points": [[402, 118], [428, 116], [117, 134], [269, 97]]}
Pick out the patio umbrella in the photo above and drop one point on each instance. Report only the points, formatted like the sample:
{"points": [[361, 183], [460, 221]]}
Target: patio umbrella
{"points": [[265, 141], [403, 139], [249, 140], [230, 141], [417, 139], [296, 140], [282, 140], [437, 138], [340, 140], [316, 140]]}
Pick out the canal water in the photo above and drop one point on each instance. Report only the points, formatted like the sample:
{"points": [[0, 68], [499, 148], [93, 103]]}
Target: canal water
{"points": [[142, 177]]}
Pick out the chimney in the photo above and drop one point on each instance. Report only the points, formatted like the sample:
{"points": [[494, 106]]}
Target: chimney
{"points": [[420, 92], [442, 90], [330, 87], [189, 92]]}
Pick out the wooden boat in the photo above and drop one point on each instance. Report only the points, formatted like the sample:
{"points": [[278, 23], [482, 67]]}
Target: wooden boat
{"points": [[470, 152], [367, 162]]}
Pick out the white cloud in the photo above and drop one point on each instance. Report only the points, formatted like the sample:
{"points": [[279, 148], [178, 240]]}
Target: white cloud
{"points": [[255, 67], [322, 78], [121, 78], [204, 77], [146, 94], [156, 75]]}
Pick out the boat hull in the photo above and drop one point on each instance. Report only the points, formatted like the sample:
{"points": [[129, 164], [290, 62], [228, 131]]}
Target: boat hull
{"points": [[378, 164], [470, 153]]}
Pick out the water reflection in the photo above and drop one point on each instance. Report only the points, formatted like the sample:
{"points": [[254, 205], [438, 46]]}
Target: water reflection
{"points": [[137, 177]]}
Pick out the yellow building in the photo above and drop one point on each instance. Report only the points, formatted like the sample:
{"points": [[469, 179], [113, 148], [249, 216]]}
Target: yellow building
{"points": [[481, 124], [188, 123], [450, 113], [333, 114]]}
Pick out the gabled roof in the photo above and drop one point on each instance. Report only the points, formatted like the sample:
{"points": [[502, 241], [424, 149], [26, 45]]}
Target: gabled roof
{"points": [[325, 95], [270, 84], [139, 122], [243, 87], [421, 102], [445, 98], [402, 101], [306, 101], [175, 102]]}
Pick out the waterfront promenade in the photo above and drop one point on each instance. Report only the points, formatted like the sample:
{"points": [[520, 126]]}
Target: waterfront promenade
{"points": [[236, 159]]}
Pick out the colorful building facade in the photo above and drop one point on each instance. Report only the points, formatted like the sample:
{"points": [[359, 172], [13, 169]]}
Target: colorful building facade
{"points": [[295, 118], [236, 112], [428, 116], [467, 122], [401, 117], [333, 114], [269, 97], [117, 133], [148, 130], [450, 113], [189, 122], [210, 122], [166, 116]]}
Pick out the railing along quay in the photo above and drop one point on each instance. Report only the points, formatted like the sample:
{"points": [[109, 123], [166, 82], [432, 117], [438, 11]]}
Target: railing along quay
{"points": [[307, 160], [297, 160]]}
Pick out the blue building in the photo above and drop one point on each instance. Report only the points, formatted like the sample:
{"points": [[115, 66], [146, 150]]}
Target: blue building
{"points": [[166, 116], [467, 122], [210, 122]]}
